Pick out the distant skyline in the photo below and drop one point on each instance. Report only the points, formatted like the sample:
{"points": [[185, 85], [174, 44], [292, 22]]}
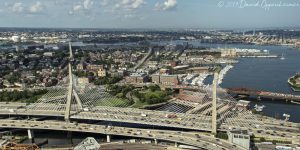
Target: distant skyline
{"points": [[227, 14]]}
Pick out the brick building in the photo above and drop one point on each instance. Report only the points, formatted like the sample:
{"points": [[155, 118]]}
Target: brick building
{"points": [[165, 79], [137, 78]]}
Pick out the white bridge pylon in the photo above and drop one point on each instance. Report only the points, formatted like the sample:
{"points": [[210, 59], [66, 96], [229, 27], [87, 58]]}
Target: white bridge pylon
{"points": [[71, 92]]}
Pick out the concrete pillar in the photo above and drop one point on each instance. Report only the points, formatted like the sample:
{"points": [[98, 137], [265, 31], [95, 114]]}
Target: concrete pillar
{"points": [[176, 144], [30, 135], [155, 141], [214, 104], [108, 138]]}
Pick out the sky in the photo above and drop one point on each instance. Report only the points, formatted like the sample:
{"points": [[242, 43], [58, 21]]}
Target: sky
{"points": [[227, 14]]}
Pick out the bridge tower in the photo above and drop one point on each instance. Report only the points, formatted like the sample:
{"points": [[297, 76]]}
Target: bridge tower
{"points": [[214, 102], [71, 92]]}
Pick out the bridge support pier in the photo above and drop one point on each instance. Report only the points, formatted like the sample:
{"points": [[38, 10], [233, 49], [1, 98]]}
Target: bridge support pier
{"points": [[155, 141], [30, 135], [108, 138], [176, 144]]}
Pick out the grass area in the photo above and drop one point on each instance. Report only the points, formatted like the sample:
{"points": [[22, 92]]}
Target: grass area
{"points": [[139, 104], [32, 99], [139, 97], [115, 102]]}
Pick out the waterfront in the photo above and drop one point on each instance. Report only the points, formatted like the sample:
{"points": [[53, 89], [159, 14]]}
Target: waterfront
{"points": [[268, 74]]}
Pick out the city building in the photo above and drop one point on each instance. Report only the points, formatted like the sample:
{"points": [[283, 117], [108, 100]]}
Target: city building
{"points": [[164, 71], [242, 104], [92, 68], [119, 73], [137, 78], [228, 53], [101, 72], [95, 68], [81, 66], [83, 80], [174, 63], [152, 64], [165, 79], [48, 54], [297, 45], [239, 137]]}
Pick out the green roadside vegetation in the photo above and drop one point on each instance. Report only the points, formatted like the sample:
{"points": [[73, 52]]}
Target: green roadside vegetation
{"points": [[21, 96], [262, 139], [140, 97], [151, 95], [115, 102], [120, 93], [222, 135], [106, 80]]}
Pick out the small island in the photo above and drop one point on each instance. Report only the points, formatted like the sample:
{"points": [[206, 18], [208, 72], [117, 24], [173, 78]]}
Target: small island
{"points": [[295, 82]]}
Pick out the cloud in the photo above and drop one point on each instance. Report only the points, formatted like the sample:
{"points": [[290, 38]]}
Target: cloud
{"points": [[82, 7], [104, 2], [167, 5], [17, 7], [20, 8], [87, 4], [129, 4], [137, 3], [36, 8], [77, 8]]}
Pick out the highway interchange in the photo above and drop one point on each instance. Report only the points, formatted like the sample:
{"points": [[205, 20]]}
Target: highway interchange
{"points": [[189, 138]]}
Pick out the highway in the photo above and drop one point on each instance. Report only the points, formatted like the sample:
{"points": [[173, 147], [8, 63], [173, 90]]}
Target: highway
{"points": [[143, 60], [197, 140], [199, 122]]}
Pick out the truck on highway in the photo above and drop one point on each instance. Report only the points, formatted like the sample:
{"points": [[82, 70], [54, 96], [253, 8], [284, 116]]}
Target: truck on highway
{"points": [[86, 109]]}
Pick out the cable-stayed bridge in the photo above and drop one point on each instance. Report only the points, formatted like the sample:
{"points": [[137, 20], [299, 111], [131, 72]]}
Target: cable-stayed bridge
{"points": [[216, 111]]}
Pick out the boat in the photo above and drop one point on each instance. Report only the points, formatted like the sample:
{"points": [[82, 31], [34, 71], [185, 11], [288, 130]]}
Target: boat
{"points": [[282, 57], [259, 108], [287, 116], [295, 102]]}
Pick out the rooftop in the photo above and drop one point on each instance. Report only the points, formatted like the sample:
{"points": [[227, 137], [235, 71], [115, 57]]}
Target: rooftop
{"points": [[244, 132]]}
